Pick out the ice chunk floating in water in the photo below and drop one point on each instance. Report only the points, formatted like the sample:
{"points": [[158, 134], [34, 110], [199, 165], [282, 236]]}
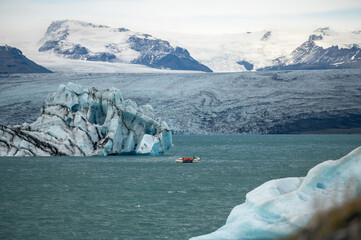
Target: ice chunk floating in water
{"points": [[279, 207], [85, 122]]}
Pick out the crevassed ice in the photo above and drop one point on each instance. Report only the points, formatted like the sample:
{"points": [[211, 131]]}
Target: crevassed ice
{"points": [[85, 122], [279, 207]]}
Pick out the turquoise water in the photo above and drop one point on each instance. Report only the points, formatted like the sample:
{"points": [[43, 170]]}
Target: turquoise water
{"points": [[144, 197]]}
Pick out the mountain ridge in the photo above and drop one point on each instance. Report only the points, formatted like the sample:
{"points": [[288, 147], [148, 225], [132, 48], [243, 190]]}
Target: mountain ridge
{"points": [[310, 55], [86, 41], [272, 49], [76, 46]]}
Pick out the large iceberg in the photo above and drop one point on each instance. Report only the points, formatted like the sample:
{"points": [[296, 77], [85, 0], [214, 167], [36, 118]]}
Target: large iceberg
{"points": [[86, 122], [279, 207]]}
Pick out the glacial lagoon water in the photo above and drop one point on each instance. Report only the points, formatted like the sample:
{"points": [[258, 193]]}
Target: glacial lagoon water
{"points": [[151, 197]]}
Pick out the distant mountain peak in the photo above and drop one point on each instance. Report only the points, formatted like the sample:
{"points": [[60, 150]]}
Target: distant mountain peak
{"points": [[266, 36], [58, 23], [87, 41], [310, 56], [323, 31]]}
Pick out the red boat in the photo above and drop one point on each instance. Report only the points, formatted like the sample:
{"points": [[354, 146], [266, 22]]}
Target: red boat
{"points": [[188, 160]]}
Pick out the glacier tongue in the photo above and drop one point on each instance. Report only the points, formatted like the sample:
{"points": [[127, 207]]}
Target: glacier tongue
{"points": [[279, 207], [86, 122]]}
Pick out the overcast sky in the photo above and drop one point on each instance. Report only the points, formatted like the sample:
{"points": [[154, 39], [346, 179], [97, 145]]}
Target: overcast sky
{"points": [[185, 16]]}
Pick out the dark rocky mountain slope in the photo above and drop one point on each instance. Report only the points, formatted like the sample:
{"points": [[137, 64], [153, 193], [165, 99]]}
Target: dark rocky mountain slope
{"points": [[12, 60]]}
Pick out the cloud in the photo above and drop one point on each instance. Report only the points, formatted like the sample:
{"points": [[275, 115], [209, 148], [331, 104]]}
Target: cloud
{"points": [[192, 16], [178, 8]]}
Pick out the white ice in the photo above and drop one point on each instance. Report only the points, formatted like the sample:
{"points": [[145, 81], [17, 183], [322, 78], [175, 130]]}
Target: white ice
{"points": [[279, 207], [76, 121]]}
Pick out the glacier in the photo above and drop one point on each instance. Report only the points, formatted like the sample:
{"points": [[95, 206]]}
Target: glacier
{"points": [[279, 207], [86, 122], [221, 103]]}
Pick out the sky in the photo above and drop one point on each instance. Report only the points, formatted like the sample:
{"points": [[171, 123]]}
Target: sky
{"points": [[30, 18]]}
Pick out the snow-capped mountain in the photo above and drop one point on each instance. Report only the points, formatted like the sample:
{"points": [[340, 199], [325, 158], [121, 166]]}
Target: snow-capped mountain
{"points": [[250, 51], [75, 46], [12, 60], [87, 41], [238, 52], [324, 49], [274, 49]]}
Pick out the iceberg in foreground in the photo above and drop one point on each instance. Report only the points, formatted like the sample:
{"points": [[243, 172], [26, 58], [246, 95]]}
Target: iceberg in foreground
{"points": [[279, 207], [86, 122]]}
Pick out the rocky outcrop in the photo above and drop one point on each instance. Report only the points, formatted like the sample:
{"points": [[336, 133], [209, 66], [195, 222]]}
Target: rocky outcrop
{"points": [[86, 122], [266, 36], [158, 53], [12, 60], [339, 223]]}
